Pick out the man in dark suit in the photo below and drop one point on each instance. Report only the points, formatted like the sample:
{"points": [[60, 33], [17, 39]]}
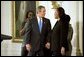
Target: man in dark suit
{"points": [[59, 44], [37, 32]]}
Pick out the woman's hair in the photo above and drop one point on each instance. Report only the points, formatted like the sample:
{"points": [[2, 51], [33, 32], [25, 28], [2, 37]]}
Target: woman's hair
{"points": [[61, 11], [62, 14], [26, 16]]}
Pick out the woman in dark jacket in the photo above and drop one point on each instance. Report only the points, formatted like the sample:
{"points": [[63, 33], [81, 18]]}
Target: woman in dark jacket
{"points": [[59, 44]]}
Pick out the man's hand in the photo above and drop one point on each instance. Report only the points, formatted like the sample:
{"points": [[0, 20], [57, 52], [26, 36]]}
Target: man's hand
{"points": [[28, 47], [47, 45], [62, 50]]}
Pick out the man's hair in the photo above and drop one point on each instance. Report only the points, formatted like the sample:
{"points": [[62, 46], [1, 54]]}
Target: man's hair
{"points": [[39, 8]]}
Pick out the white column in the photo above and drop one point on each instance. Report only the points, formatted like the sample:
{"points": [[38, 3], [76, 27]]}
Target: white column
{"points": [[6, 18], [80, 19]]}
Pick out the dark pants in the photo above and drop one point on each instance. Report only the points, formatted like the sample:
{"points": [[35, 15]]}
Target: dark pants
{"points": [[24, 52], [54, 53], [47, 52], [42, 52]]}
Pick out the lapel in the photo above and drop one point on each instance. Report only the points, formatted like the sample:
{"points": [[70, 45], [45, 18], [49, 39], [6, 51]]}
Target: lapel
{"points": [[36, 26], [55, 25], [43, 26]]}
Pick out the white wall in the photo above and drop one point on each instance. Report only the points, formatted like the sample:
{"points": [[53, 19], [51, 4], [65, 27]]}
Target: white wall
{"points": [[6, 18]]}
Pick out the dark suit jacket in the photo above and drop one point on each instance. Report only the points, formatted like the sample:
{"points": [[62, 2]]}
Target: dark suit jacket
{"points": [[59, 36], [33, 35]]}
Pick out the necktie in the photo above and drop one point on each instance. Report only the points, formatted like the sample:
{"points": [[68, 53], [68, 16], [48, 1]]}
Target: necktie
{"points": [[40, 25]]}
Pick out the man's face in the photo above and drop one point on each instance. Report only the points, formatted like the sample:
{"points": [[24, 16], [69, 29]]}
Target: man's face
{"points": [[42, 12], [56, 14]]}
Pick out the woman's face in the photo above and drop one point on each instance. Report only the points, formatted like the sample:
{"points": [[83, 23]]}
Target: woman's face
{"points": [[30, 15], [56, 14]]}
